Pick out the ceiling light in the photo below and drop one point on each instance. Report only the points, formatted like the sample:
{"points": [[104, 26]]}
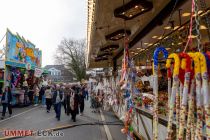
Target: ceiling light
{"points": [[181, 28], [192, 36], [133, 9], [136, 53], [154, 36], [138, 48], [109, 48], [172, 44], [146, 43], [168, 49], [149, 44], [205, 13], [117, 35], [180, 43], [160, 37], [167, 27], [203, 27], [200, 11], [176, 27], [186, 14]]}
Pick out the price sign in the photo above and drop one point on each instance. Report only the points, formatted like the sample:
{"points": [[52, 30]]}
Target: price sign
{"points": [[28, 66]]}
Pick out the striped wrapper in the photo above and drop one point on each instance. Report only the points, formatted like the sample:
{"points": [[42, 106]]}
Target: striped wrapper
{"points": [[190, 112], [207, 119], [177, 111], [199, 124], [182, 122]]}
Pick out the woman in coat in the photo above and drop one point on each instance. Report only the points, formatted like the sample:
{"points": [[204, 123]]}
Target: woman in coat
{"points": [[81, 102], [6, 101], [74, 102]]}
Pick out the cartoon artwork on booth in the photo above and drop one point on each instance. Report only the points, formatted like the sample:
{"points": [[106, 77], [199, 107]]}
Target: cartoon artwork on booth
{"points": [[15, 77], [20, 50]]}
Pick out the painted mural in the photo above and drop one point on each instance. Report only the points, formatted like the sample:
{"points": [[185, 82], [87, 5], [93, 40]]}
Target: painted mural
{"points": [[21, 51]]}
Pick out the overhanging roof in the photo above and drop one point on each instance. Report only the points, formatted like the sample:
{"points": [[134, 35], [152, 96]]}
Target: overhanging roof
{"points": [[143, 27]]}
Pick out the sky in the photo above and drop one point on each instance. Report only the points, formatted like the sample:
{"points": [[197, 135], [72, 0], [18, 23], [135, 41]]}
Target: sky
{"points": [[44, 22]]}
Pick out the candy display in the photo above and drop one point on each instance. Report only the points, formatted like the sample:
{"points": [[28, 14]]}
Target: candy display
{"points": [[175, 103], [155, 89]]}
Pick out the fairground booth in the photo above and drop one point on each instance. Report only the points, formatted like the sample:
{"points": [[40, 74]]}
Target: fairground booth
{"points": [[22, 67]]}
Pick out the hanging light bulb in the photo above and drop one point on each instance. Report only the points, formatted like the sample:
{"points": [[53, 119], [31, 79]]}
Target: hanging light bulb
{"points": [[203, 27]]}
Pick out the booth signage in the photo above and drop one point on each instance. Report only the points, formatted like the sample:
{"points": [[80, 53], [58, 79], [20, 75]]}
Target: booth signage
{"points": [[21, 51], [38, 72], [28, 66]]}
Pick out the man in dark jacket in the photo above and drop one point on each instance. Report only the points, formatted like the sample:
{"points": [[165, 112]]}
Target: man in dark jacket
{"points": [[6, 102], [58, 98]]}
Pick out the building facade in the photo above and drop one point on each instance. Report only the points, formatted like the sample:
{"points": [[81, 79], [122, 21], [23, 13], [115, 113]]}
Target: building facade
{"points": [[58, 73]]}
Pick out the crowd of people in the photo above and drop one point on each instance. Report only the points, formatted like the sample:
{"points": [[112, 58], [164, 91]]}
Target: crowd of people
{"points": [[71, 97]]}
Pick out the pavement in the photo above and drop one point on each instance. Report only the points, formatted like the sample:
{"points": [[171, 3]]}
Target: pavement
{"points": [[36, 118]]}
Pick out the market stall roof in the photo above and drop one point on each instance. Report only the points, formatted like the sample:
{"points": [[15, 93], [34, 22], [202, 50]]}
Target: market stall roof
{"points": [[145, 30], [45, 71], [102, 21]]}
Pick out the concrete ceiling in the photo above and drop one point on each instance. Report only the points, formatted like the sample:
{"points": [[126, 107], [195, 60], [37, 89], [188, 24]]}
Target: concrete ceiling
{"points": [[105, 23]]}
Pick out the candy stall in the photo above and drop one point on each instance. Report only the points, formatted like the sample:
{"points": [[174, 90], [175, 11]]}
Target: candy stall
{"points": [[21, 60], [160, 81]]}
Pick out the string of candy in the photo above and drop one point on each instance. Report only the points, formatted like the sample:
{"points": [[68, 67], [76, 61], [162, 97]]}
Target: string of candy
{"points": [[190, 120], [199, 104], [205, 89], [155, 88], [185, 64], [173, 92]]}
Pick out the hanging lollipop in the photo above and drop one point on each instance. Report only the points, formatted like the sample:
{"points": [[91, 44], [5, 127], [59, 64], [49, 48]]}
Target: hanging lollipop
{"points": [[185, 61], [205, 89], [187, 66], [174, 90], [199, 104], [155, 88]]}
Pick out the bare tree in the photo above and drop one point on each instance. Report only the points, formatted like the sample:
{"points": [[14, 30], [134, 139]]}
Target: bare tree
{"points": [[71, 53]]}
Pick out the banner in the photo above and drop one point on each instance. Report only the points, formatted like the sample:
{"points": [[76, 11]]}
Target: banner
{"points": [[21, 51], [38, 72]]}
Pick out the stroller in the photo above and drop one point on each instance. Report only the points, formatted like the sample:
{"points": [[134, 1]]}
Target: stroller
{"points": [[96, 104]]}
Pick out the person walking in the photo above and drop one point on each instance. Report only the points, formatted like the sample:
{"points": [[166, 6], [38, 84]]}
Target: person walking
{"points": [[86, 92], [81, 102], [42, 96], [74, 99], [6, 102], [58, 98], [48, 96], [64, 90], [66, 103], [36, 95], [31, 94]]}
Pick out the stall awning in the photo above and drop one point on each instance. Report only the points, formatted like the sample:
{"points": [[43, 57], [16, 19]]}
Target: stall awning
{"points": [[45, 71], [19, 65]]}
